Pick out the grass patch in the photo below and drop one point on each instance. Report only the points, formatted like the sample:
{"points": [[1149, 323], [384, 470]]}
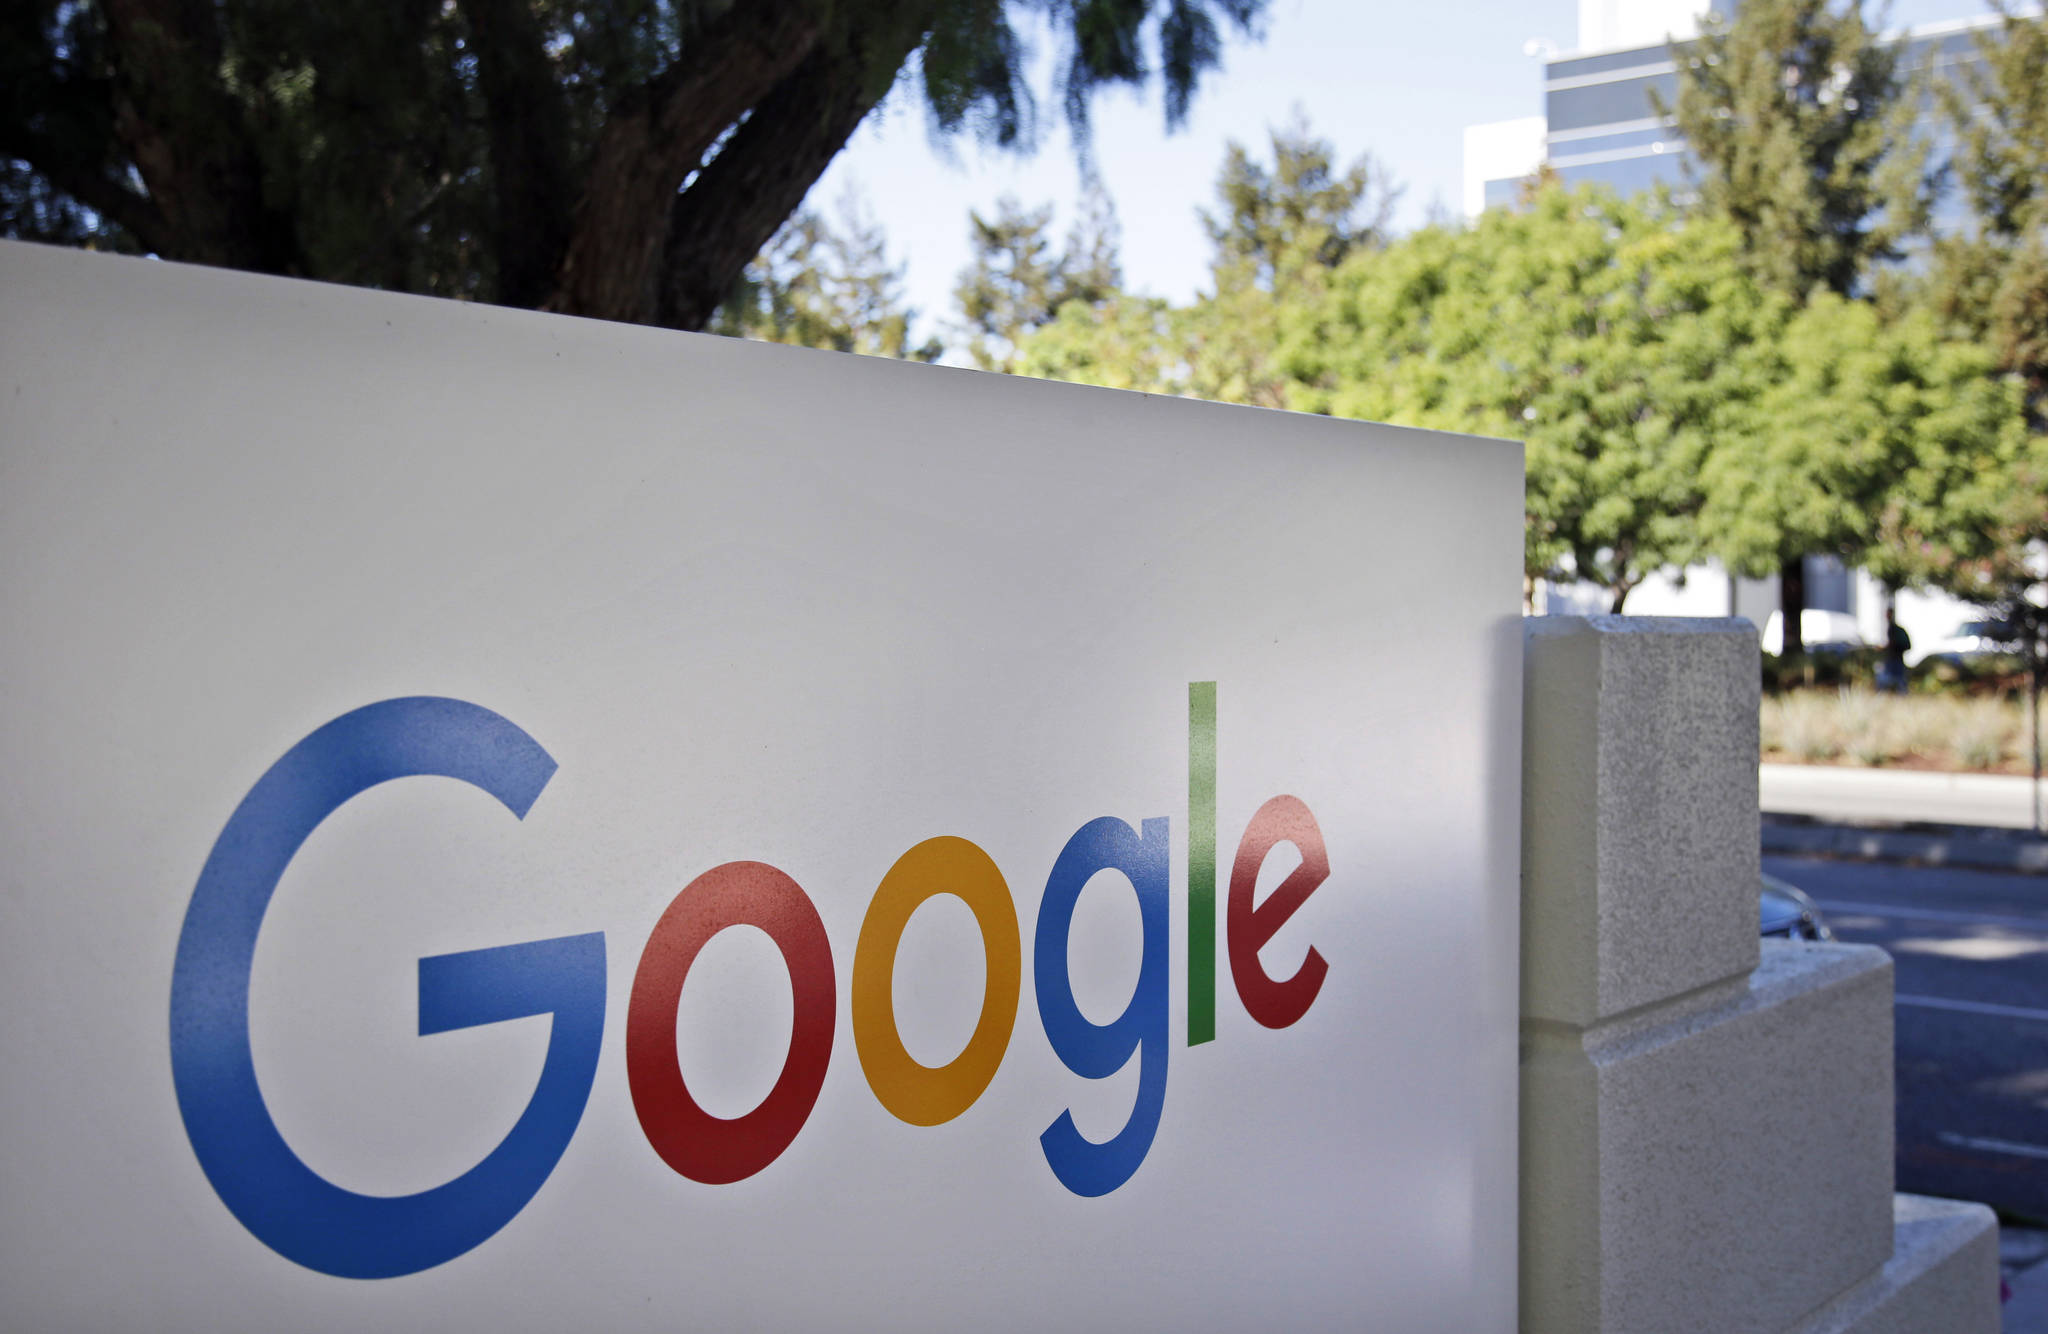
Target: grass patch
{"points": [[1856, 725]]}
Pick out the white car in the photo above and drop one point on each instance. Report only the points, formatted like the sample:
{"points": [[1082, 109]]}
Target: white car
{"points": [[1820, 631], [1971, 639]]}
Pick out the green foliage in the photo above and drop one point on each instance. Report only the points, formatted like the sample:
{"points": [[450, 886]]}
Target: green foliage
{"points": [[1276, 226], [1800, 124], [1872, 440], [1799, 118], [1278, 233], [1673, 405], [1993, 284], [820, 286], [1615, 338], [623, 159], [1999, 112], [1126, 342], [1688, 383], [1017, 281]]}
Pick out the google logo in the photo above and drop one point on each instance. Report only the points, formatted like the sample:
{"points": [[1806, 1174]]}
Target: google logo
{"points": [[324, 1227]]}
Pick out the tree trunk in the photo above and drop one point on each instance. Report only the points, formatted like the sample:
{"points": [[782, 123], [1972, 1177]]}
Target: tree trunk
{"points": [[527, 126], [652, 142], [764, 171], [1792, 605], [188, 141]]}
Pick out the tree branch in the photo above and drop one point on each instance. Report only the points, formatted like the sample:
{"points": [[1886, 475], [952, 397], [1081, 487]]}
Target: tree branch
{"points": [[763, 173], [88, 183], [527, 125], [186, 136], [654, 139]]}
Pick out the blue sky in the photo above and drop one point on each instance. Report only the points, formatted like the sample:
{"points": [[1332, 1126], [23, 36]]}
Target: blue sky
{"points": [[1395, 78]]}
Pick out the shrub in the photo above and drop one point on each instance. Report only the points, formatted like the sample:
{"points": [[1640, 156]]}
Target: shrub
{"points": [[1924, 724], [1949, 730], [1864, 721], [1982, 732], [1810, 727], [1770, 725]]}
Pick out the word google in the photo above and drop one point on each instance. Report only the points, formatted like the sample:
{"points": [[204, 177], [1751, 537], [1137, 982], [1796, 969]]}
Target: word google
{"points": [[310, 1220]]}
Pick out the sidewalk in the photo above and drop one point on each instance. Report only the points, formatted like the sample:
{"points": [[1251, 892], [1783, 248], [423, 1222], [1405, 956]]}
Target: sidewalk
{"points": [[1978, 821], [1897, 796]]}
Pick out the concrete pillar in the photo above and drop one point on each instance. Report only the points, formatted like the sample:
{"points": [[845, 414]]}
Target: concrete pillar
{"points": [[1706, 1121]]}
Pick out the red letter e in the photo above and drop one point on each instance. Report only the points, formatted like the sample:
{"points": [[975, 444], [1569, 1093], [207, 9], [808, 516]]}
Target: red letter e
{"points": [[1276, 1004]]}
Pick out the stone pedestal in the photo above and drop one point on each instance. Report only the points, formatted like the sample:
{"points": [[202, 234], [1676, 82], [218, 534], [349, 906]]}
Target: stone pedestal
{"points": [[1706, 1121]]}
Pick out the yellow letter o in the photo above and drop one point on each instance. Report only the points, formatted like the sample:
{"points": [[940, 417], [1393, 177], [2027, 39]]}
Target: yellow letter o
{"points": [[913, 1092]]}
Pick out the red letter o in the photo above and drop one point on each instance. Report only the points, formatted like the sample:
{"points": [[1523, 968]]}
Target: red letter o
{"points": [[703, 1147]]}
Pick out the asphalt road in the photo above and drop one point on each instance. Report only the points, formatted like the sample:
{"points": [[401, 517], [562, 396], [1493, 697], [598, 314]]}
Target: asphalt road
{"points": [[1971, 996]]}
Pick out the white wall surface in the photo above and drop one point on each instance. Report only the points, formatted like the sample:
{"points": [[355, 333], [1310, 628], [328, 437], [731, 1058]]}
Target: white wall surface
{"points": [[757, 603]]}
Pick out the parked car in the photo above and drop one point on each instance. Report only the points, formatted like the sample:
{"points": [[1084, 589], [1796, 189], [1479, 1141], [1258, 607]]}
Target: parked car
{"points": [[1820, 631], [1971, 639], [1784, 912]]}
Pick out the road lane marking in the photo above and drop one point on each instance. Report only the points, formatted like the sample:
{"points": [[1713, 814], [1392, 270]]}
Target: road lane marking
{"points": [[1971, 1007], [2034, 924], [1993, 1145]]}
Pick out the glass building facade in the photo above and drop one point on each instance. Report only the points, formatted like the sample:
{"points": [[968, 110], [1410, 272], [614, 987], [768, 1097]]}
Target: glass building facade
{"points": [[1602, 123]]}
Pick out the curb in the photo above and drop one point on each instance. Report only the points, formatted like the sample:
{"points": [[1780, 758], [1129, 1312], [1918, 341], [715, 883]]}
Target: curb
{"points": [[1930, 845]]}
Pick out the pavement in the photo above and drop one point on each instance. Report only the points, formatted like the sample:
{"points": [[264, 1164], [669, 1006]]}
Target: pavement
{"points": [[1968, 822], [1979, 821], [1826, 792]]}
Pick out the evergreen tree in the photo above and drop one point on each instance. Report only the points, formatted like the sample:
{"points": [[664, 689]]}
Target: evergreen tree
{"points": [[820, 286], [1278, 232], [1799, 131], [624, 159], [1993, 282], [1017, 281], [1274, 224], [1798, 123]]}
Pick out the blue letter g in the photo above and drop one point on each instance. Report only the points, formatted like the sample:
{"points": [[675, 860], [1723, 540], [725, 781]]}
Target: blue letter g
{"points": [[294, 1211]]}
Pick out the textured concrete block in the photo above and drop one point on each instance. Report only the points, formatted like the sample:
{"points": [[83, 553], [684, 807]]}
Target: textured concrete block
{"points": [[1942, 1277], [1639, 811], [1719, 1163]]}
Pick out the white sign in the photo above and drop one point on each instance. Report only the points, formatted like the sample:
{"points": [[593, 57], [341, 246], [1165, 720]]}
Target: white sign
{"points": [[519, 823]]}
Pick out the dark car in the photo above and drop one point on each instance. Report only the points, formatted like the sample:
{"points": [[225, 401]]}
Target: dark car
{"points": [[1784, 912]]}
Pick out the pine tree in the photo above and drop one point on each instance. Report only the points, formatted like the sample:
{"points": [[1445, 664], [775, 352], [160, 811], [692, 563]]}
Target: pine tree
{"points": [[1993, 282], [816, 285], [1278, 233], [1276, 223], [1798, 123], [1018, 281], [611, 158]]}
